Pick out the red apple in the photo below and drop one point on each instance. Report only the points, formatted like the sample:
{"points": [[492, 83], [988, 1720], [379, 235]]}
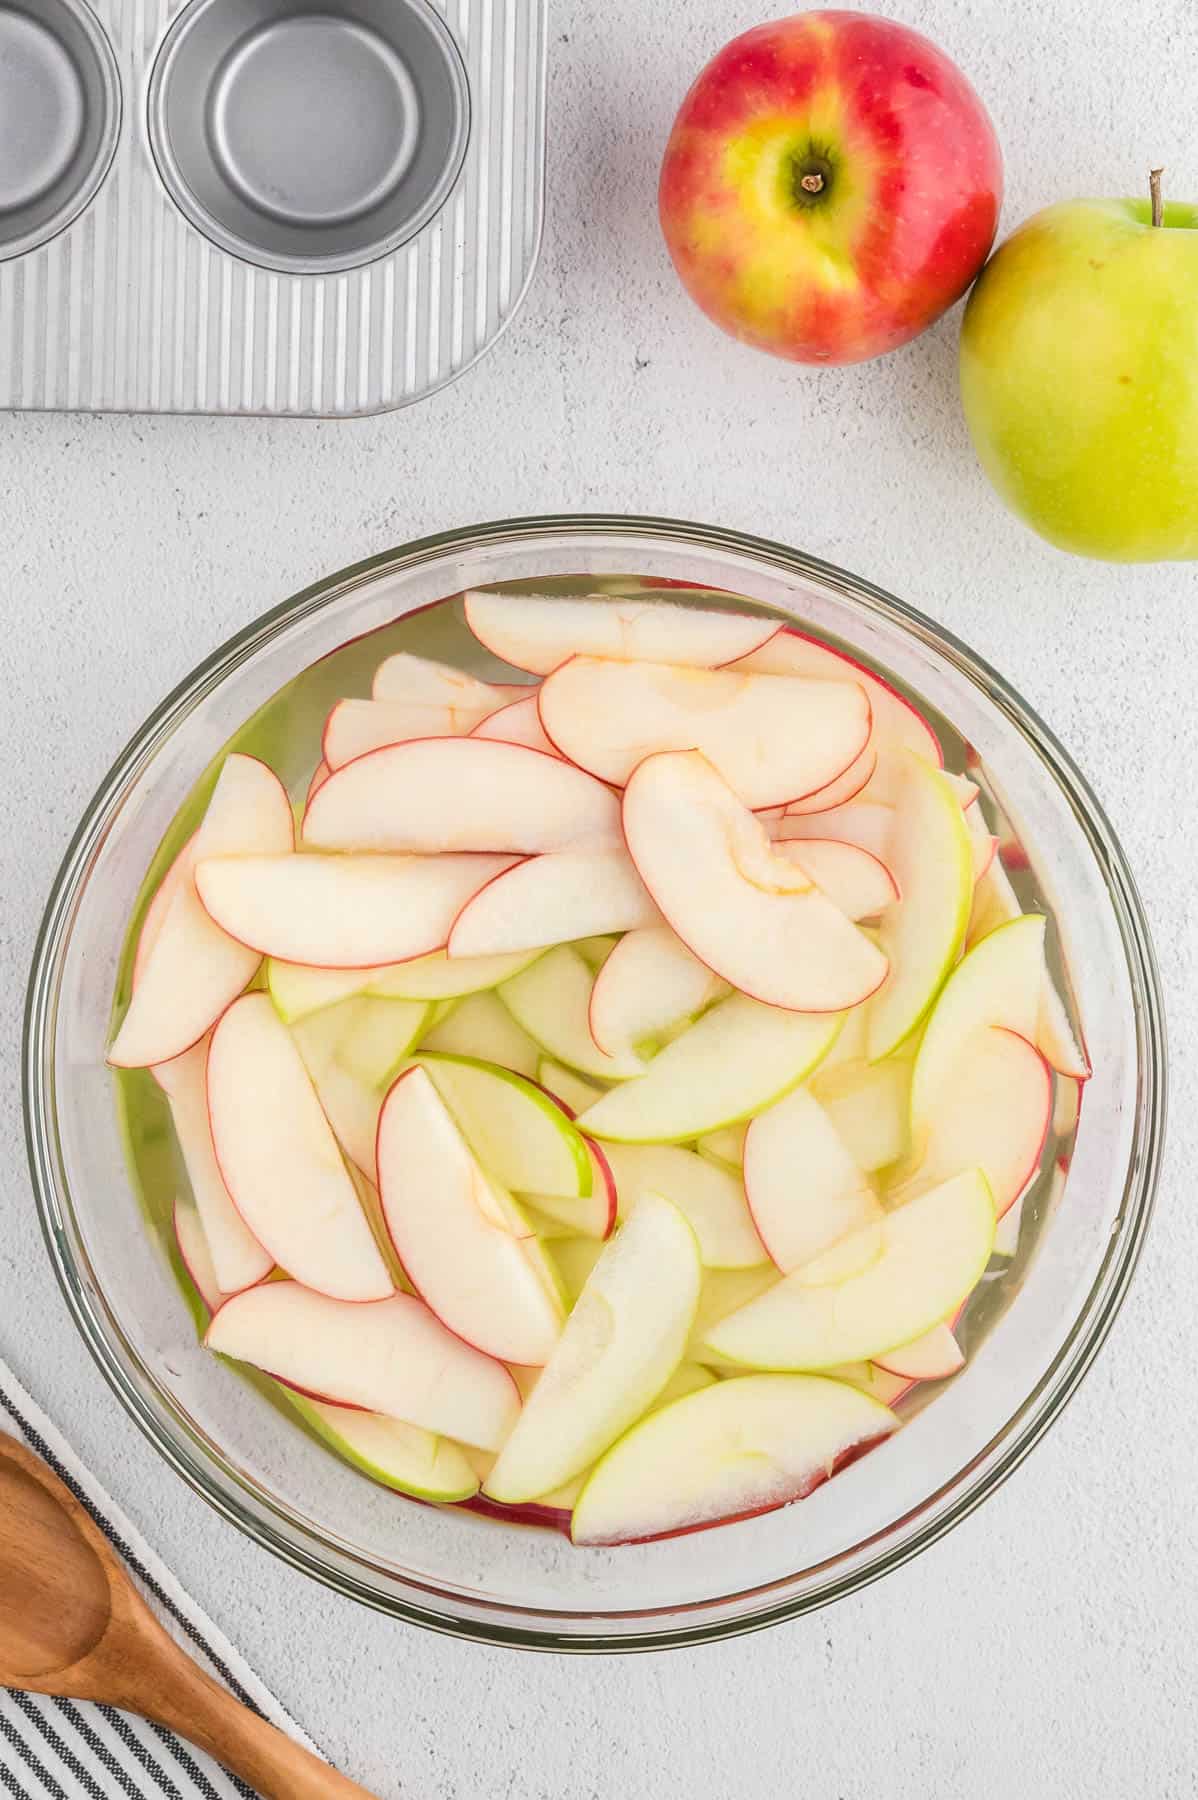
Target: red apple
{"points": [[831, 185]]}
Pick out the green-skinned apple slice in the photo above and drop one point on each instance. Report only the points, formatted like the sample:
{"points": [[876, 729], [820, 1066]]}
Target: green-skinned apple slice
{"points": [[466, 1246], [869, 1107], [192, 968], [387, 1356], [998, 983], [754, 918], [857, 882], [279, 1158], [437, 795], [196, 1254], [538, 632], [711, 1198], [932, 1357], [934, 1251], [649, 984], [730, 1452], [596, 949], [405, 1458], [352, 1052], [868, 824], [551, 1002], [725, 1291], [739, 1057], [553, 899], [298, 990], [517, 723], [567, 1085], [481, 1026], [726, 1145], [804, 1189], [621, 1343], [922, 932], [521, 1136], [238, 1259], [592, 1215], [422, 681], [772, 738]]}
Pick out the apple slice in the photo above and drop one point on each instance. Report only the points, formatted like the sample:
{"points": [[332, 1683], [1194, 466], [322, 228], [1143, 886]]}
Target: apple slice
{"points": [[520, 1135], [727, 1145], [1006, 1238], [868, 1105], [739, 1057], [855, 881], [1055, 1037], [933, 1254], [342, 912], [389, 1356], [923, 931], [465, 1244], [596, 949], [622, 1342], [352, 1053], [551, 1001], [710, 1198], [846, 786], [405, 1458], [771, 738], [932, 1357], [443, 794], [482, 1027], [575, 1257], [298, 990], [566, 1085], [279, 1158], [419, 681], [865, 823], [356, 727], [730, 1452], [517, 723], [193, 968], [649, 984], [804, 1190], [552, 900], [537, 632], [754, 918], [196, 1256], [998, 983], [593, 1216], [995, 902], [725, 1291], [238, 1259], [320, 775], [992, 1114]]}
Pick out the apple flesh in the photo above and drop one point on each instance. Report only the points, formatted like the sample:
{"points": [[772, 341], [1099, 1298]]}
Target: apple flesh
{"points": [[551, 1002], [405, 1458], [858, 884], [649, 984], [519, 1134], [997, 983], [297, 989], [389, 1356], [195, 1254], [517, 723], [868, 1105], [869, 824], [238, 1259], [804, 1189], [356, 727], [552, 899], [729, 1452], [481, 1026], [710, 1198], [932, 1357], [538, 632], [771, 737], [621, 1343], [847, 786], [408, 680]]}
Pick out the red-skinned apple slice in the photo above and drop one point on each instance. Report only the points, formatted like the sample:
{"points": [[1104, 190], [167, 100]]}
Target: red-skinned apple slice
{"points": [[932, 1357], [342, 912], [649, 984], [710, 1198], [405, 1458], [356, 727], [846, 786], [463, 1241], [754, 918], [551, 1002], [435, 795], [196, 1255], [866, 823], [772, 738], [320, 775], [934, 1251], [859, 884], [238, 1259], [622, 1342], [517, 723], [998, 983], [869, 1107], [552, 899], [804, 1190], [538, 632], [732, 1451], [1055, 1037], [481, 1026], [193, 969], [279, 1158], [389, 1356], [1006, 1238], [419, 681]]}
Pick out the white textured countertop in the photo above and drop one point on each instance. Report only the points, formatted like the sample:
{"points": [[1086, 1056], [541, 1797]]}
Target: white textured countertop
{"points": [[1047, 1647]]}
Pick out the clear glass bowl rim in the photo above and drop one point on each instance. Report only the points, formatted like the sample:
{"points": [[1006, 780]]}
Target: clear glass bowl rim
{"points": [[302, 1549]]}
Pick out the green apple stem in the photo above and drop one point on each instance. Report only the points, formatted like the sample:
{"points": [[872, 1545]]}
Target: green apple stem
{"points": [[1154, 189]]}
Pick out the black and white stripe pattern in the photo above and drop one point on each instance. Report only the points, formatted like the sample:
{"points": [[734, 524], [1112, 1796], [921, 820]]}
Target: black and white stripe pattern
{"points": [[68, 1750]]}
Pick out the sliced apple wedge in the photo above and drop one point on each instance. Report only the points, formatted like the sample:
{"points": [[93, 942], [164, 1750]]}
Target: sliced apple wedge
{"points": [[846, 786], [772, 738], [649, 984], [481, 1026], [193, 969], [196, 1256], [995, 902], [537, 632], [465, 1244], [517, 723], [1006, 1238], [342, 912], [866, 823], [869, 1107], [726, 1145], [934, 1251], [320, 775], [710, 1198], [238, 1259], [804, 1189], [998, 983], [622, 1342], [405, 1458], [443, 794], [298, 990], [739, 1057], [419, 681], [551, 1001], [550, 900], [352, 1052], [730, 1452], [519, 1134], [279, 1158], [855, 881], [1055, 1038], [754, 918], [932, 1357], [575, 1257], [923, 931], [356, 727], [389, 1356], [566, 1085], [592, 1215]]}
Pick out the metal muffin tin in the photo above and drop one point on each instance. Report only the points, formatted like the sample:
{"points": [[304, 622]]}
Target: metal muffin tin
{"points": [[321, 208]]}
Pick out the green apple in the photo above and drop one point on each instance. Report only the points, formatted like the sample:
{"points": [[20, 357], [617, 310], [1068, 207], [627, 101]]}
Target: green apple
{"points": [[1078, 353]]}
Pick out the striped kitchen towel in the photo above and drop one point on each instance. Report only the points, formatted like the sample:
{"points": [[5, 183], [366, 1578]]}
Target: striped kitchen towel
{"points": [[69, 1750]]}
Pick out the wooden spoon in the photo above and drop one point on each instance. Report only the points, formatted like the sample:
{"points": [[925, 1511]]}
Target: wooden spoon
{"points": [[73, 1624]]}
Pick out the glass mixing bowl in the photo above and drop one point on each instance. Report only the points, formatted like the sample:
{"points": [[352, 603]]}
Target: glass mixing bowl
{"points": [[1043, 1317]]}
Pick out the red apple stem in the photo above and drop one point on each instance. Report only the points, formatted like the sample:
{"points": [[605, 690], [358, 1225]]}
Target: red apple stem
{"points": [[1154, 189]]}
